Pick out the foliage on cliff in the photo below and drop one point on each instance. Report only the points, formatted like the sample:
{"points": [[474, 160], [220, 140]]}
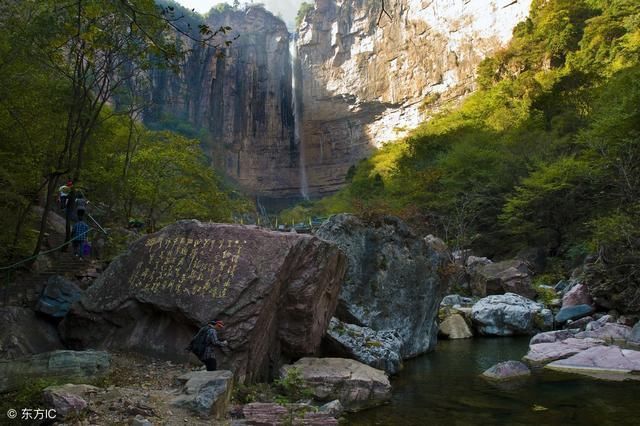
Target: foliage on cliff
{"points": [[545, 153], [62, 66]]}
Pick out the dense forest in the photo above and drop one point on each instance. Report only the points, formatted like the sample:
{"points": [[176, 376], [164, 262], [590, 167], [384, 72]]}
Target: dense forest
{"points": [[544, 154], [74, 76]]}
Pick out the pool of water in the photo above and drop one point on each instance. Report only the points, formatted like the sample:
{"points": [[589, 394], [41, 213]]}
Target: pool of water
{"points": [[444, 388]]}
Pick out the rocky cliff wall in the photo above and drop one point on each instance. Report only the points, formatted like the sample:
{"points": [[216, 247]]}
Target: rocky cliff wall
{"points": [[365, 83]]}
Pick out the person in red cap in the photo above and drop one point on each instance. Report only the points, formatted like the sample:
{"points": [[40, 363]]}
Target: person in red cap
{"points": [[204, 341]]}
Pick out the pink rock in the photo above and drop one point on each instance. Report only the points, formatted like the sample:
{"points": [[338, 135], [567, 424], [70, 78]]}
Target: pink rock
{"points": [[609, 332], [602, 361], [578, 295], [544, 353]]}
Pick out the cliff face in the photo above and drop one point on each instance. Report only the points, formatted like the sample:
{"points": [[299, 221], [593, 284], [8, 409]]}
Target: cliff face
{"points": [[240, 103], [365, 83]]}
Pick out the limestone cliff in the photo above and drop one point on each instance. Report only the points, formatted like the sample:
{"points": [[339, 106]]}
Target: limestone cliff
{"points": [[366, 82]]}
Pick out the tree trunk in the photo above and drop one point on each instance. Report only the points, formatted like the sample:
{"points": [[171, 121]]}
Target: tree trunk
{"points": [[51, 187]]}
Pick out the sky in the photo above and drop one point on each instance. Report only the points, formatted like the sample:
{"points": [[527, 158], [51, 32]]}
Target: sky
{"points": [[287, 9]]}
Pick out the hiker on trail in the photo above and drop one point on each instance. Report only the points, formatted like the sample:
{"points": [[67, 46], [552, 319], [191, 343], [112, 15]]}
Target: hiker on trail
{"points": [[63, 196], [79, 237], [204, 341], [81, 205]]}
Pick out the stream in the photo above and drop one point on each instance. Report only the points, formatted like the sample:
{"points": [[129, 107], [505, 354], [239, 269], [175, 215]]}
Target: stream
{"points": [[444, 388]]}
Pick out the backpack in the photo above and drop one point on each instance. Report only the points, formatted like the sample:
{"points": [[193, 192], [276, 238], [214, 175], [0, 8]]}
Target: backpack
{"points": [[198, 344]]}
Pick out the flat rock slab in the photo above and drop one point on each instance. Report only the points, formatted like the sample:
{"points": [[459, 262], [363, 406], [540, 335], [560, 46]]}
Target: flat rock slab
{"points": [[275, 291], [356, 385], [207, 393], [508, 370], [71, 365], [553, 336], [609, 332], [604, 362], [263, 414], [544, 353]]}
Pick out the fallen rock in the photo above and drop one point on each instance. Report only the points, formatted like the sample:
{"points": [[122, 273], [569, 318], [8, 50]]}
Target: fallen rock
{"points": [[578, 295], [573, 313], [57, 297], [356, 385], [509, 314], [508, 370], [634, 337], [544, 353], [553, 336], [68, 399], [604, 362], [276, 293], [79, 366], [609, 332], [393, 281], [510, 276], [206, 393], [378, 349], [259, 413], [23, 333], [455, 327]]}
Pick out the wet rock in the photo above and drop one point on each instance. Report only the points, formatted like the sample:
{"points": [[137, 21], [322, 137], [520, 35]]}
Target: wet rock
{"points": [[608, 332], [68, 399], [573, 313], [86, 365], [455, 327], [510, 276], [508, 370], [24, 333], [378, 349], [634, 337], [508, 314], [206, 393], [553, 336], [544, 353], [578, 295], [605, 362], [356, 385], [57, 297], [393, 280], [276, 293]]}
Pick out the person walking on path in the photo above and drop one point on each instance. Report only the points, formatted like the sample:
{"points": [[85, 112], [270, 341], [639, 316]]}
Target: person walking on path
{"points": [[205, 341], [63, 196], [79, 237], [81, 205]]}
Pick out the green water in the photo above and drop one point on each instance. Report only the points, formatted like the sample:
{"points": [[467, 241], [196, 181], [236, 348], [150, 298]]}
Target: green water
{"points": [[443, 388]]}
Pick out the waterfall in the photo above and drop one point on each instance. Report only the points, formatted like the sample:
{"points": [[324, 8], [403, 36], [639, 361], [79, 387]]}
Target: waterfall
{"points": [[295, 107]]}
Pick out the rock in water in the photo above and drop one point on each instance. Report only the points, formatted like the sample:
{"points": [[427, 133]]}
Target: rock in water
{"points": [[544, 353], [455, 327], [356, 385], [58, 296], [23, 333], [378, 349], [509, 314], [510, 276], [207, 393], [507, 370], [605, 362], [276, 292], [393, 280]]}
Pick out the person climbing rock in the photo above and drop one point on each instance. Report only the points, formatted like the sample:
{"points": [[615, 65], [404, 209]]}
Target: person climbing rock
{"points": [[204, 341]]}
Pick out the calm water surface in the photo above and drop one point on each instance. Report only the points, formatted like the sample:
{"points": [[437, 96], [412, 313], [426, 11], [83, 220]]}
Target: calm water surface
{"points": [[443, 388]]}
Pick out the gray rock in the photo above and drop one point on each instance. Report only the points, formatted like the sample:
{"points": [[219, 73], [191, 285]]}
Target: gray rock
{"points": [[140, 421], [259, 413], [562, 286], [378, 349], [393, 280], [544, 353], [456, 300], [510, 276], [553, 336], [634, 337], [79, 366], [68, 399], [609, 332], [333, 408], [508, 370], [455, 327], [573, 313], [580, 324], [23, 333], [206, 393], [599, 322], [57, 297], [508, 314], [604, 362], [356, 385]]}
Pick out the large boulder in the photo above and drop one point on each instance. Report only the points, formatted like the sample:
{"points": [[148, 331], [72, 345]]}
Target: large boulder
{"points": [[509, 276], [578, 295], [356, 385], [378, 349], [604, 362], [276, 293], [57, 297], [79, 366], [24, 333], [393, 281], [206, 393], [510, 314]]}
